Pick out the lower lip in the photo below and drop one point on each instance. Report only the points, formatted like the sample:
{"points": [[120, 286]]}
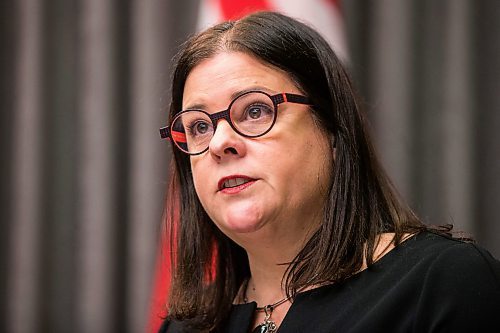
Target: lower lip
{"points": [[237, 189]]}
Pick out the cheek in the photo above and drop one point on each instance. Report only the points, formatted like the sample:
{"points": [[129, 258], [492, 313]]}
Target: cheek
{"points": [[199, 175], [324, 167], [315, 164], [293, 168]]}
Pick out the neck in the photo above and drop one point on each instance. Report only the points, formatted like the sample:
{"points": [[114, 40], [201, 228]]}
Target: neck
{"points": [[270, 250], [265, 284], [268, 263], [265, 288]]}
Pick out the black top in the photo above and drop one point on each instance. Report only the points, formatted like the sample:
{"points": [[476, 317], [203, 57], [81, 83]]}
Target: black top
{"points": [[429, 283]]}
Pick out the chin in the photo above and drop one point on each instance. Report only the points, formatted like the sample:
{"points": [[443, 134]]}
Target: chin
{"points": [[240, 227], [240, 222]]}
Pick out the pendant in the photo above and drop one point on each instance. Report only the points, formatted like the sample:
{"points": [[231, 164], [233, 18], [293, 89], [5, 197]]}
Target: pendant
{"points": [[260, 329], [266, 327]]}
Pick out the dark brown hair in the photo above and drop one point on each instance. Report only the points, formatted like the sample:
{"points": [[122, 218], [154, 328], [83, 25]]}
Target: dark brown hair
{"points": [[208, 267]]}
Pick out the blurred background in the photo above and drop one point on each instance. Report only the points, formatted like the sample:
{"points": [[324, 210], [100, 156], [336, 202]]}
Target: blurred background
{"points": [[84, 89]]}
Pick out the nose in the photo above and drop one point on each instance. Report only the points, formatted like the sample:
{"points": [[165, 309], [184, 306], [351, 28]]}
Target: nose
{"points": [[226, 143]]}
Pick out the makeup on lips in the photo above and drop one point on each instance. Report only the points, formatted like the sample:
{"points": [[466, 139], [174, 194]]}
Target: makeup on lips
{"points": [[234, 184]]}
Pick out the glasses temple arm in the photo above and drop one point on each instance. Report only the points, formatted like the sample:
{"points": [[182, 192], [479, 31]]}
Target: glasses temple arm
{"points": [[165, 132]]}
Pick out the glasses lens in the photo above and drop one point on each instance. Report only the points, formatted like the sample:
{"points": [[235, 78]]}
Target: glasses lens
{"points": [[192, 131], [253, 114]]}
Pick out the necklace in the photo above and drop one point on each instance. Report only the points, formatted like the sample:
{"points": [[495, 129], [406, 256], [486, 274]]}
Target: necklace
{"points": [[268, 325]]}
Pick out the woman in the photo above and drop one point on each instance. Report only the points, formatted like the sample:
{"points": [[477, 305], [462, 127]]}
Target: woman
{"points": [[281, 216]]}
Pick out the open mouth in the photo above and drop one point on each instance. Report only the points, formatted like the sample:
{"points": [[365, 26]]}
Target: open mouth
{"points": [[232, 182]]}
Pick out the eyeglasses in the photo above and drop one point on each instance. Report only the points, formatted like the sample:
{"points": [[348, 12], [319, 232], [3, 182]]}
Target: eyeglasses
{"points": [[251, 114]]}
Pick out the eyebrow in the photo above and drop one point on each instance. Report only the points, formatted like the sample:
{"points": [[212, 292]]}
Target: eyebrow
{"points": [[201, 106]]}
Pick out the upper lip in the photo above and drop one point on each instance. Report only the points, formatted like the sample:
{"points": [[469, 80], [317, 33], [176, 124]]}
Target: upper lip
{"points": [[220, 184]]}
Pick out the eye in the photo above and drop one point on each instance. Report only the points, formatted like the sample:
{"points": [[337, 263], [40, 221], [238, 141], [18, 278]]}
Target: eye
{"points": [[254, 112], [258, 111], [199, 127]]}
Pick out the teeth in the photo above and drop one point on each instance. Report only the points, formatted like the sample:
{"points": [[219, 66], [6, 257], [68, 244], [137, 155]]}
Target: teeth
{"points": [[235, 182]]}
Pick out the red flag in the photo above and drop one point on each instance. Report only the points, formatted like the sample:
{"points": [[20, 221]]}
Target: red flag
{"points": [[323, 15]]}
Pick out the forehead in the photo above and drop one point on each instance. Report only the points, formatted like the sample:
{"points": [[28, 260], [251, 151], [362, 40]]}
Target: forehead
{"points": [[214, 81]]}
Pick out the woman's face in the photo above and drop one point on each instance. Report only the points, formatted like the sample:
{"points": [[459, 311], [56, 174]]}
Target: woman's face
{"points": [[286, 171]]}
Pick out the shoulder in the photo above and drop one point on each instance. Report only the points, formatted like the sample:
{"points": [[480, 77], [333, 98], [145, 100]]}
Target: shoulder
{"points": [[449, 263], [446, 256], [238, 320], [461, 284], [173, 326], [465, 267], [164, 328]]}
